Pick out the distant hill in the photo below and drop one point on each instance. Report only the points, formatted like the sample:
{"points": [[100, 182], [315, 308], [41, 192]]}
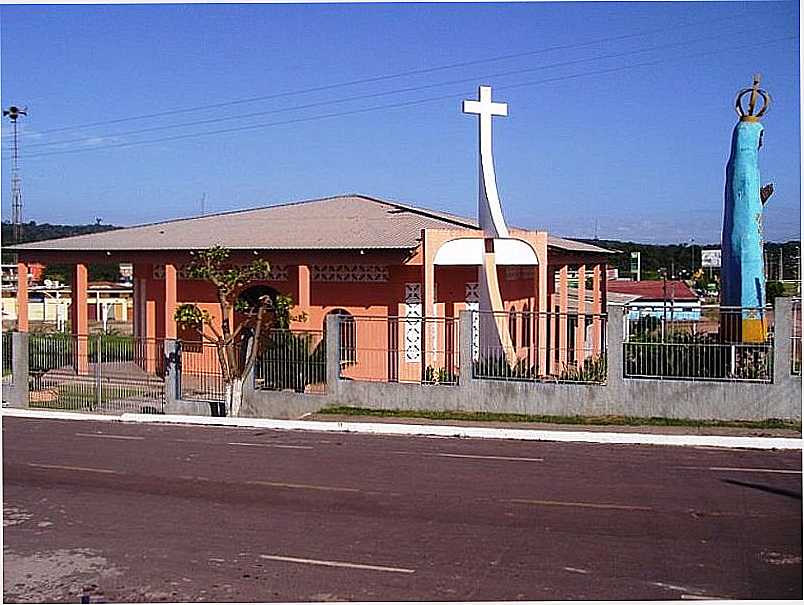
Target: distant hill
{"points": [[680, 257], [34, 232]]}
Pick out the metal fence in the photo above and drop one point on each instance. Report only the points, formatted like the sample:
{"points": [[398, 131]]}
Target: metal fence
{"points": [[201, 377], [795, 349], [698, 343], [539, 346], [421, 350], [293, 360], [8, 377], [99, 373]]}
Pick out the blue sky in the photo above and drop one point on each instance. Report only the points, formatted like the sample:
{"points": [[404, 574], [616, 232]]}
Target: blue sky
{"points": [[626, 124]]}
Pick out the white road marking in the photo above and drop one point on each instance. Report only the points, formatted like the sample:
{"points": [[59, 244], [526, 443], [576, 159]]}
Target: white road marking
{"points": [[671, 586], [102, 436], [323, 488], [471, 456], [700, 597], [290, 447], [578, 504], [576, 570], [75, 468], [337, 564], [743, 470]]}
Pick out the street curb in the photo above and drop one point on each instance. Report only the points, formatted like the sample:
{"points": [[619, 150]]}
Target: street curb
{"points": [[425, 430]]}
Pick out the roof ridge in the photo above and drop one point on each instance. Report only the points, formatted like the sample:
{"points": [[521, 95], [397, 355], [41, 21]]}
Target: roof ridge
{"points": [[444, 216]]}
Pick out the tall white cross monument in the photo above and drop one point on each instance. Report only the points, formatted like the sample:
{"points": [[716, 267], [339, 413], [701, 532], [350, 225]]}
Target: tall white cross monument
{"points": [[497, 247], [489, 210]]}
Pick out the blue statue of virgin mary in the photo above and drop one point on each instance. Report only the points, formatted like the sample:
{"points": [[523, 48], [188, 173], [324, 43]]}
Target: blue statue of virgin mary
{"points": [[742, 270]]}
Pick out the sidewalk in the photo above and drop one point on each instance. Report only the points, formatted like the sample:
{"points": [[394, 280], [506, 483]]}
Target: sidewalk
{"points": [[436, 430]]}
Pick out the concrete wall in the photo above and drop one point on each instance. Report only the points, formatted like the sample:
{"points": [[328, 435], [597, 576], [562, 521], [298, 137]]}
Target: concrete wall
{"points": [[698, 400]]}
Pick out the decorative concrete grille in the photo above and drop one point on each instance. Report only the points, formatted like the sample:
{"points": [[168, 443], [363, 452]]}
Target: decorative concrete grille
{"points": [[413, 324], [278, 272], [349, 273], [472, 299]]}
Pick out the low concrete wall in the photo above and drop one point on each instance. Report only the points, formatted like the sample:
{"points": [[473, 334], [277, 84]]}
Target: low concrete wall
{"points": [[682, 399]]}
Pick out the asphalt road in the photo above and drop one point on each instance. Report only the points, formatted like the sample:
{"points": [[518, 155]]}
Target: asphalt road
{"points": [[125, 512]]}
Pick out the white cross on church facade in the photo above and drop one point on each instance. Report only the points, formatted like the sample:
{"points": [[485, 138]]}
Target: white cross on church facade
{"points": [[489, 211]]}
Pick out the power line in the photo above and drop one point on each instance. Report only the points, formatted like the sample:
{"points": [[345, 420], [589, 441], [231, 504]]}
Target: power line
{"points": [[395, 105], [396, 91], [385, 77]]}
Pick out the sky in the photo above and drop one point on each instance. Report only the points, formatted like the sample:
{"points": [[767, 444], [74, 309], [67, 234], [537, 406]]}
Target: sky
{"points": [[619, 125]]}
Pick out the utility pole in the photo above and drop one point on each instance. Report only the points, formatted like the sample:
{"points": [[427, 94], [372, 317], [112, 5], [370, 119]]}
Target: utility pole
{"points": [[13, 113], [781, 262], [692, 256]]}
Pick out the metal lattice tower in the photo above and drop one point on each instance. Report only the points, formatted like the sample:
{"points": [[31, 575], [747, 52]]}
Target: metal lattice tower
{"points": [[13, 113]]}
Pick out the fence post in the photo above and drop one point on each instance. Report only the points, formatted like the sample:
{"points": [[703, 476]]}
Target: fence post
{"points": [[98, 366], [782, 339], [333, 334], [19, 369], [615, 333], [172, 371], [465, 347]]}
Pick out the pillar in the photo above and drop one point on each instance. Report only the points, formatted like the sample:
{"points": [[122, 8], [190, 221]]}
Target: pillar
{"points": [[580, 330], [149, 344], [563, 304], [79, 319], [542, 308], [170, 301], [22, 297], [303, 300], [428, 310], [597, 308]]}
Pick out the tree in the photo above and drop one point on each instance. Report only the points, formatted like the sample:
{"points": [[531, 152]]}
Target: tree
{"points": [[237, 347]]}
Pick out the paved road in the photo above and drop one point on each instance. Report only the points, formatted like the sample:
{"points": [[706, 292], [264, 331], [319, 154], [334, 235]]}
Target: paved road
{"points": [[147, 513]]}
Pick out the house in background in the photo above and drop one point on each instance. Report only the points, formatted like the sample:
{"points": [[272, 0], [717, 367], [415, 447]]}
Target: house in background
{"points": [[657, 298]]}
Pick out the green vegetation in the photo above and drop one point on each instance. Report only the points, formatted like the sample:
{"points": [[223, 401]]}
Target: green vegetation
{"points": [[683, 354], [685, 257], [592, 370], [292, 361], [771, 423]]}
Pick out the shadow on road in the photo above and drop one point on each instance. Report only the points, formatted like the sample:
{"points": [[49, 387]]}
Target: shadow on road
{"points": [[766, 488]]}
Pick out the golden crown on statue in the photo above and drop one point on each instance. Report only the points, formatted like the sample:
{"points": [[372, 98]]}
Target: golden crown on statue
{"points": [[755, 91]]}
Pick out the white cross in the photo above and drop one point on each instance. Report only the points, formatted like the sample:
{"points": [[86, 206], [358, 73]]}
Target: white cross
{"points": [[484, 107], [489, 210]]}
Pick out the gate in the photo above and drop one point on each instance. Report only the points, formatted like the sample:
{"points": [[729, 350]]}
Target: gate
{"points": [[97, 373]]}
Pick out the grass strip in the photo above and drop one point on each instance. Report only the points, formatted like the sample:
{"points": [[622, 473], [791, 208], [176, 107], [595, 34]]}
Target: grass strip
{"points": [[771, 423]]}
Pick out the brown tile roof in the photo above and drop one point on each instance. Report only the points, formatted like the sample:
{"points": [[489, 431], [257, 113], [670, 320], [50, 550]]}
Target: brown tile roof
{"points": [[652, 289], [341, 222]]}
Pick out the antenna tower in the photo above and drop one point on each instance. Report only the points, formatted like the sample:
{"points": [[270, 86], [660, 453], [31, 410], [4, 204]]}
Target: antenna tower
{"points": [[13, 113]]}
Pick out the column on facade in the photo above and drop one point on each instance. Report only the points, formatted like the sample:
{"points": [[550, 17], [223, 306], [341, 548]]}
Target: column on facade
{"points": [[428, 309], [597, 295], [171, 276], [540, 309], [303, 299], [580, 329], [22, 297], [79, 319], [563, 306]]}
